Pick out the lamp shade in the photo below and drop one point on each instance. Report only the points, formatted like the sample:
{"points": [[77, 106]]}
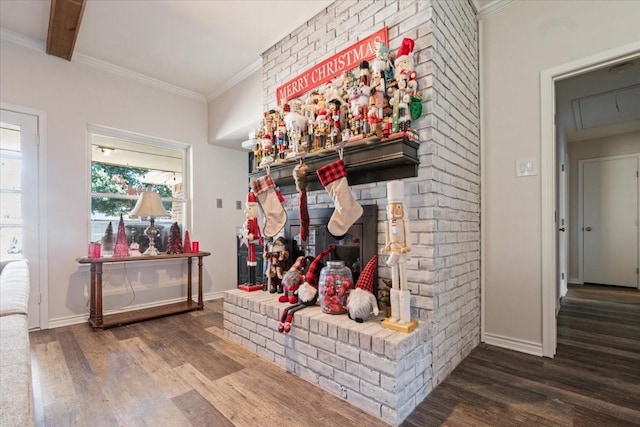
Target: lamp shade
{"points": [[149, 204]]}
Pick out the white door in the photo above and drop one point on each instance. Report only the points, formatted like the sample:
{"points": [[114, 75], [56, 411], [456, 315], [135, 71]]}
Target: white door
{"points": [[19, 228], [610, 215]]}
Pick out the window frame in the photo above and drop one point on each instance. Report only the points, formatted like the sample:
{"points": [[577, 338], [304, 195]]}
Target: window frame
{"points": [[185, 149]]}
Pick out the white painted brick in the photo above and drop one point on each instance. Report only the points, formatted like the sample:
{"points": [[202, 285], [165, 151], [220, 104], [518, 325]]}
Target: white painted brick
{"points": [[275, 348], [348, 380], [332, 360], [333, 387], [297, 357], [320, 368], [300, 334], [378, 394], [307, 349], [248, 325], [323, 343], [364, 403], [363, 372], [348, 352], [378, 363], [307, 374]]}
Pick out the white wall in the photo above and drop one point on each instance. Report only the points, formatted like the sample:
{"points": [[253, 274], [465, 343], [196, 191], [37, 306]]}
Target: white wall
{"points": [[628, 143], [518, 42], [73, 96], [236, 112]]}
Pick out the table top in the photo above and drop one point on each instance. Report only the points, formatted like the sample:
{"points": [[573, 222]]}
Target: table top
{"points": [[87, 260]]}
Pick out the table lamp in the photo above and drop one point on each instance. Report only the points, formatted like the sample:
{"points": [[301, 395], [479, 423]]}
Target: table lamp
{"points": [[149, 205]]}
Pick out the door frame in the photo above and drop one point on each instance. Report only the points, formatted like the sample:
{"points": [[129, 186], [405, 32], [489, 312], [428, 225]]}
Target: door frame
{"points": [[42, 207], [581, 164], [548, 179]]}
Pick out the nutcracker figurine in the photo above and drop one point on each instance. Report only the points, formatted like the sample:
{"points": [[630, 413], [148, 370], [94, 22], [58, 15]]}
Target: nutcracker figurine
{"points": [[398, 247], [250, 237]]}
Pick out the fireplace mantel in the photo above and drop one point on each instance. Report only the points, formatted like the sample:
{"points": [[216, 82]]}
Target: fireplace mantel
{"points": [[366, 161]]}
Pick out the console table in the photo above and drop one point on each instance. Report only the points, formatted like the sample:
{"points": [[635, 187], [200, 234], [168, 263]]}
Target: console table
{"points": [[100, 321]]}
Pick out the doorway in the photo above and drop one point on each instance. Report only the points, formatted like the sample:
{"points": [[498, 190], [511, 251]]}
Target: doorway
{"points": [[551, 145], [608, 225], [21, 234]]}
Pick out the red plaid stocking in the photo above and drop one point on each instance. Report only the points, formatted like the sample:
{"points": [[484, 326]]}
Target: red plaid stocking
{"points": [[347, 210], [300, 177], [270, 201]]}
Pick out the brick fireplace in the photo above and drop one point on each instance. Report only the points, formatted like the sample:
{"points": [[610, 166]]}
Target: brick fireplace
{"points": [[443, 205]]}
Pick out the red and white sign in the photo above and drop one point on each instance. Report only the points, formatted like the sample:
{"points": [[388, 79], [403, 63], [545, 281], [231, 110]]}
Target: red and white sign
{"points": [[344, 60]]}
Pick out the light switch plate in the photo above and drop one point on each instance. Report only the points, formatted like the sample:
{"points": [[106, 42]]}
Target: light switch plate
{"points": [[528, 167]]}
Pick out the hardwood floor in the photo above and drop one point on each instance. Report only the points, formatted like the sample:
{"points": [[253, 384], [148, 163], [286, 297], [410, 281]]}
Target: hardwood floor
{"points": [[180, 371], [594, 379], [174, 371]]}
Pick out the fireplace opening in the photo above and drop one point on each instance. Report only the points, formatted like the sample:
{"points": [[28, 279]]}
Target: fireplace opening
{"points": [[355, 248]]}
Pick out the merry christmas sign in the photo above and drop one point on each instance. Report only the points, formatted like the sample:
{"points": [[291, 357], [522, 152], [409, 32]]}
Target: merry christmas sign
{"points": [[344, 60]]}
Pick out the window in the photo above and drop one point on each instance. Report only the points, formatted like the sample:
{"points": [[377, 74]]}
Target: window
{"points": [[121, 168]]}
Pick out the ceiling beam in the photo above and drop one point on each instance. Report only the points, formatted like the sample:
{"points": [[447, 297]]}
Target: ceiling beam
{"points": [[64, 24]]}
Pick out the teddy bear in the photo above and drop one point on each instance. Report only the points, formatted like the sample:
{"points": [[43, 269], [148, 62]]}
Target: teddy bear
{"points": [[276, 258]]}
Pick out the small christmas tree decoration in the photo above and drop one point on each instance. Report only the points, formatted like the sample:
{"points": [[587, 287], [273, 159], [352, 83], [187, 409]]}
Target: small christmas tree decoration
{"points": [[108, 241], [186, 246], [122, 247], [174, 243]]}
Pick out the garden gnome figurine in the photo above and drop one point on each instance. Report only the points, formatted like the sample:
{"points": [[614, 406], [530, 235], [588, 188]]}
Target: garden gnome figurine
{"points": [[361, 302], [398, 247]]}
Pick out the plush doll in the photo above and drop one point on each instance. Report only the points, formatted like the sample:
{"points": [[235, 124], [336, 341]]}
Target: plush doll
{"points": [[307, 291], [361, 302], [292, 280]]}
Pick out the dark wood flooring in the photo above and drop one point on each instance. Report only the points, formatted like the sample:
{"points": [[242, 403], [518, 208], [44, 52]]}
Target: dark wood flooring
{"points": [[180, 371], [594, 379]]}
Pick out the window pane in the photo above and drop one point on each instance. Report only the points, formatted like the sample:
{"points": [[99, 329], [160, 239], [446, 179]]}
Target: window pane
{"points": [[10, 174], [134, 231], [9, 137], [11, 208], [10, 242], [108, 208]]}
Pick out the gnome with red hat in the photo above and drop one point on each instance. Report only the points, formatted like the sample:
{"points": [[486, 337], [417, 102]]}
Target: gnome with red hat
{"points": [[250, 235], [307, 291], [361, 302]]}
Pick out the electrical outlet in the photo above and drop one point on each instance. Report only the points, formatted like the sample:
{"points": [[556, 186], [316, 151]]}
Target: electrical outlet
{"points": [[527, 167]]}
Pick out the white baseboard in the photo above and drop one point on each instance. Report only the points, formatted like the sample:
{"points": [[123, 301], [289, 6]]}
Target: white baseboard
{"points": [[575, 281], [82, 318], [522, 346]]}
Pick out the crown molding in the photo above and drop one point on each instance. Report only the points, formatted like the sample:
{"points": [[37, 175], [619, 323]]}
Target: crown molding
{"points": [[252, 68], [491, 7], [132, 75], [81, 58], [22, 40]]}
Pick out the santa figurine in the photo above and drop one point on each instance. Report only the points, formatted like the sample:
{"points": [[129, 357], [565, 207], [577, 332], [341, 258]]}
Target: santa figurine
{"points": [[251, 237], [361, 302]]}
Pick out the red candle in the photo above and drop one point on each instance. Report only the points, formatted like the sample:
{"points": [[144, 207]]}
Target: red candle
{"points": [[195, 247]]}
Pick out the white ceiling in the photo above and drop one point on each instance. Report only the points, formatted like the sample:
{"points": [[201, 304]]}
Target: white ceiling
{"points": [[600, 103], [200, 46]]}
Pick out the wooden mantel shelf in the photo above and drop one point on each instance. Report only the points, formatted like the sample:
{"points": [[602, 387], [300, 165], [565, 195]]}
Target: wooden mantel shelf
{"points": [[366, 161]]}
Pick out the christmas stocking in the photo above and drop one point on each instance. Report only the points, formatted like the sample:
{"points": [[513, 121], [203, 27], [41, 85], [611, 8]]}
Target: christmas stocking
{"points": [[347, 211], [300, 177], [270, 201]]}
